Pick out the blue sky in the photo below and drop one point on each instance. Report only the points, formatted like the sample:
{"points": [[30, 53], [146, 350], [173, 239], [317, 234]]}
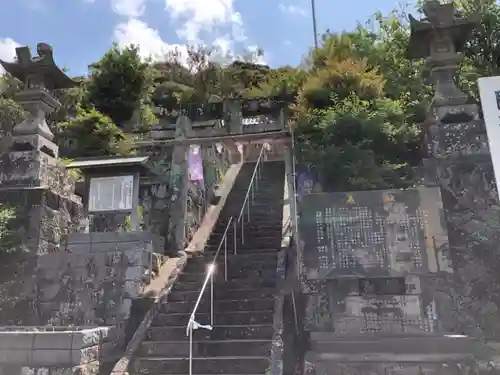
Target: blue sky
{"points": [[80, 31]]}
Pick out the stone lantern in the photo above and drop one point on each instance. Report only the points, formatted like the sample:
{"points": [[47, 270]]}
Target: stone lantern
{"points": [[439, 38], [42, 78]]}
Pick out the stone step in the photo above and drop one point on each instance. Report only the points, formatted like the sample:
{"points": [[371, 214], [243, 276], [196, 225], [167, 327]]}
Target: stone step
{"points": [[209, 348], [256, 216], [233, 264], [267, 272], [264, 256], [220, 306], [232, 332], [253, 225], [271, 199], [200, 263], [265, 235], [225, 285], [263, 187], [206, 365], [272, 226], [242, 250], [248, 249], [248, 244], [249, 232], [268, 278], [262, 204], [221, 294], [221, 318]]}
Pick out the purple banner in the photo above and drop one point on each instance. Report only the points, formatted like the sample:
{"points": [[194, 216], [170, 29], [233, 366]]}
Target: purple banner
{"points": [[195, 163], [305, 182]]}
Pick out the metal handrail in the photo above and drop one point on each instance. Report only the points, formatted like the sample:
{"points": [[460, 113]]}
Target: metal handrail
{"points": [[246, 201], [192, 323]]}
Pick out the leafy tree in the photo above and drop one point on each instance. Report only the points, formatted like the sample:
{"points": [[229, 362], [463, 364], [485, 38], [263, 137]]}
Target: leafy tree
{"points": [[340, 78], [11, 113], [284, 80], [349, 131], [120, 83], [202, 76], [357, 144], [91, 133]]}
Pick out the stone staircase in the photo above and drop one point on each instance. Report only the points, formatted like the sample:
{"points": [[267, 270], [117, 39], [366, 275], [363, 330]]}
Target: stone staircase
{"points": [[240, 342]]}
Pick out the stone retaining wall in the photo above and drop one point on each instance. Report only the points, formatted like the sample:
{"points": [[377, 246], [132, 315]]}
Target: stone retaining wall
{"points": [[95, 281], [74, 350]]}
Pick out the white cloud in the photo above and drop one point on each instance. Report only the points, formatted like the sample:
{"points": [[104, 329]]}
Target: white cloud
{"points": [[148, 40], [212, 23], [205, 15], [129, 8], [293, 9], [7, 50], [223, 46], [256, 56]]}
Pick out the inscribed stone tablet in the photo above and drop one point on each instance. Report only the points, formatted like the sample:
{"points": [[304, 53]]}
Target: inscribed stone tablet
{"points": [[111, 193]]}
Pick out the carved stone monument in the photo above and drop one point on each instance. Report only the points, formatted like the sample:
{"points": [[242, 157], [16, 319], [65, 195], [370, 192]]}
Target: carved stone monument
{"points": [[368, 263], [458, 161]]}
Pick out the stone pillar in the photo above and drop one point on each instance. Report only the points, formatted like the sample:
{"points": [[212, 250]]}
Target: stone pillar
{"points": [[458, 161], [134, 215], [233, 109], [179, 185]]}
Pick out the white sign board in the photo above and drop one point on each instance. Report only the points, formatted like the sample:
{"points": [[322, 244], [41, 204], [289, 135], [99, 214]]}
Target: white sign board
{"points": [[489, 92], [111, 193]]}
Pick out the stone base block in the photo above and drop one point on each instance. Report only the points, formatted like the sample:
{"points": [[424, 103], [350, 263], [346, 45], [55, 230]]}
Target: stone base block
{"points": [[57, 347]]}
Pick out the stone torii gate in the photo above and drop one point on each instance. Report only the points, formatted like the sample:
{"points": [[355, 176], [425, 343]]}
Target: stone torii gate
{"points": [[240, 127]]}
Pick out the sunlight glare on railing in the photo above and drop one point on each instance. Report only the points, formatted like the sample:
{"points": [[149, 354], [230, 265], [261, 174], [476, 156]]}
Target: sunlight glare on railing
{"points": [[210, 269]]}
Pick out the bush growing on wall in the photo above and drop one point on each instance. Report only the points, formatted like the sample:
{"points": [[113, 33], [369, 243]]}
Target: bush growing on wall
{"points": [[8, 237]]}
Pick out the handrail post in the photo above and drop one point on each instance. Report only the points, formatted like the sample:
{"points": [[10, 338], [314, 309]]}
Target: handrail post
{"points": [[248, 210], [212, 299], [234, 236], [225, 258], [190, 349], [242, 230]]}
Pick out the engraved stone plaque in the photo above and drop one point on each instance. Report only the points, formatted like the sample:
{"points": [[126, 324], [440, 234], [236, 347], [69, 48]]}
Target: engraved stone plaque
{"points": [[371, 233]]}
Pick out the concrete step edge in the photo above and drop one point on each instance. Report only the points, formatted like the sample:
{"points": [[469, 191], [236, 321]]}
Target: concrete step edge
{"points": [[219, 313], [208, 341], [232, 290], [198, 358], [223, 326], [228, 300]]}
